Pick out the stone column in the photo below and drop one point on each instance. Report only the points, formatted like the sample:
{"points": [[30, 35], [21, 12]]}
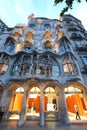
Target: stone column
{"points": [[23, 109], [4, 97], [42, 108], [63, 114]]}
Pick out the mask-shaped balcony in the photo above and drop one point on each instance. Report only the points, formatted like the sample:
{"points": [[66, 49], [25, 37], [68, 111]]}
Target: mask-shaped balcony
{"points": [[47, 42], [30, 33], [59, 33], [21, 26], [28, 42], [47, 33], [17, 32], [58, 26]]}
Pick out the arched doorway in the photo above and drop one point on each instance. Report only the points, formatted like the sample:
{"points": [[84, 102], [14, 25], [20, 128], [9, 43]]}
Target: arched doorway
{"points": [[75, 94], [16, 103], [33, 103], [51, 102], [50, 99]]}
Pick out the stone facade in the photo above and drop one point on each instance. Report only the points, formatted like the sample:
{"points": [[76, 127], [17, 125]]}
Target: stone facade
{"points": [[42, 65]]}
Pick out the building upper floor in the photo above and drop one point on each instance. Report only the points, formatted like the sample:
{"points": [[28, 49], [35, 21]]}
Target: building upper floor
{"points": [[44, 48]]}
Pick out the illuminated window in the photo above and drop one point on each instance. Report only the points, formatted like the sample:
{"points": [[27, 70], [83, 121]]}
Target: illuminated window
{"points": [[34, 65], [69, 66], [49, 90], [19, 90], [35, 90], [72, 89], [48, 66], [3, 64]]}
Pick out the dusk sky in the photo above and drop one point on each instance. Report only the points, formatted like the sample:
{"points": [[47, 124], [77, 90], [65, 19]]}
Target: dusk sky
{"points": [[17, 11]]}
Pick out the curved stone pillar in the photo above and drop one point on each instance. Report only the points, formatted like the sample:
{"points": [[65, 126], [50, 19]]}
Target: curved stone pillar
{"points": [[42, 108], [23, 109], [4, 97], [63, 114]]}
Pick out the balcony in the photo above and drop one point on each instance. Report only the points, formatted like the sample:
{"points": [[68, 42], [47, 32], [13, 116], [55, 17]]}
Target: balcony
{"points": [[81, 47], [21, 26], [47, 42], [30, 33], [47, 33], [17, 32], [58, 26], [72, 28], [59, 33], [28, 42], [76, 36]]}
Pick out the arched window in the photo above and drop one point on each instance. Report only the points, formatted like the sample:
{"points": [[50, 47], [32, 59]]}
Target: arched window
{"points": [[36, 65], [69, 66], [10, 45], [48, 66], [72, 90], [22, 65], [63, 45], [50, 99], [34, 90], [3, 63], [26, 64], [17, 66]]}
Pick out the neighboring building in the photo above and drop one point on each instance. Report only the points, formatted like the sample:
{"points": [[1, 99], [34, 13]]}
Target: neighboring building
{"points": [[43, 69]]}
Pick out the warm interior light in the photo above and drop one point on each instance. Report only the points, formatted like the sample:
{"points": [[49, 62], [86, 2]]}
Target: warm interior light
{"points": [[56, 46], [32, 95], [18, 47]]}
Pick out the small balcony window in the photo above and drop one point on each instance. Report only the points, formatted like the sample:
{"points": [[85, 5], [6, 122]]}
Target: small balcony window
{"points": [[17, 32]]}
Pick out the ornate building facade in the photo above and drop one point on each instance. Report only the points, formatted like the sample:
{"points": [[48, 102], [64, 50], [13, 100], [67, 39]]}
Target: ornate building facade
{"points": [[43, 69]]}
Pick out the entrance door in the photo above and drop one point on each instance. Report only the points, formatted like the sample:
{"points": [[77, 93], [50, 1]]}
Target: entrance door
{"points": [[33, 103], [74, 96], [50, 103]]}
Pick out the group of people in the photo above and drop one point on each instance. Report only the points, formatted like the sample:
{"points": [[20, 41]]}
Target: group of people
{"points": [[2, 111]]}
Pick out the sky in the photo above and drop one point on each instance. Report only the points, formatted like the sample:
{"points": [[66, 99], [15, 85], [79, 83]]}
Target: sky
{"points": [[17, 11]]}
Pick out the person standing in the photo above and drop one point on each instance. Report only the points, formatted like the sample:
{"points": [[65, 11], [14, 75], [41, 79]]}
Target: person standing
{"points": [[0, 113], [77, 112]]}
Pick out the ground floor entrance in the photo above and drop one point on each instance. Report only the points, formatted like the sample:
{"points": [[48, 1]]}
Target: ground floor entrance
{"points": [[75, 95], [43, 101]]}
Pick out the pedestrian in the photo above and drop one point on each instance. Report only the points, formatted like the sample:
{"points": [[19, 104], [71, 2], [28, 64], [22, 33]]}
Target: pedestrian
{"points": [[2, 111], [77, 112]]}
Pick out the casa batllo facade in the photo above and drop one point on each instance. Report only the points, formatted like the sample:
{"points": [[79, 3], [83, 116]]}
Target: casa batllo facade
{"points": [[43, 69]]}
